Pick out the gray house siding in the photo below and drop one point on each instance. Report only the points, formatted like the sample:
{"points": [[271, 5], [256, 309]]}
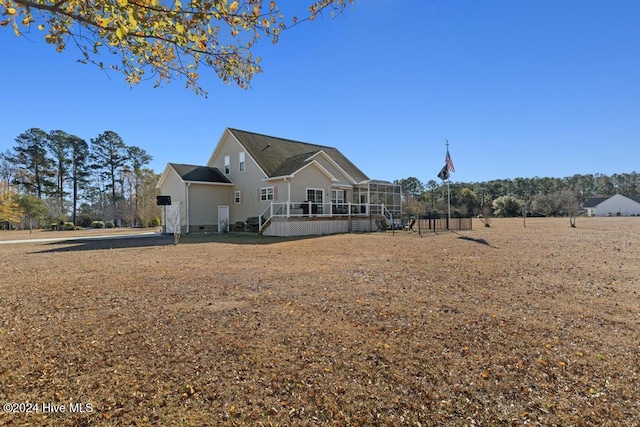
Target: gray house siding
{"points": [[174, 187], [244, 181], [204, 200]]}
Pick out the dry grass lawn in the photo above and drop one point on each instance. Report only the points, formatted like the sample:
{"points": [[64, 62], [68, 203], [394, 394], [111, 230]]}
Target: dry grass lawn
{"points": [[496, 326]]}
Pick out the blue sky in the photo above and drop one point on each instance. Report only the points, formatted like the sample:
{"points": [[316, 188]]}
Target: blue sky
{"points": [[520, 88]]}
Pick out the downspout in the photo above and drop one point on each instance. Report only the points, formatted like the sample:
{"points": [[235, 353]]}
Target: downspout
{"points": [[186, 207]]}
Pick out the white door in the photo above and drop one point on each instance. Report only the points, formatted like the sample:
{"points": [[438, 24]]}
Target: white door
{"points": [[223, 219]]}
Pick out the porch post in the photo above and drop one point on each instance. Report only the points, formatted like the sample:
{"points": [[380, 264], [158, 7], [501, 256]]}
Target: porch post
{"points": [[288, 197]]}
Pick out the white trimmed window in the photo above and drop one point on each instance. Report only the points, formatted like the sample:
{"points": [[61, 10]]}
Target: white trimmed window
{"points": [[236, 197], [266, 194], [241, 168], [227, 164], [337, 197], [315, 195]]}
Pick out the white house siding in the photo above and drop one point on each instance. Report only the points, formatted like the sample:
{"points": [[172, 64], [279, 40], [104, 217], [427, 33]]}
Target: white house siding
{"points": [[174, 187], [280, 194], [329, 166], [244, 181], [618, 205], [310, 177], [204, 200]]}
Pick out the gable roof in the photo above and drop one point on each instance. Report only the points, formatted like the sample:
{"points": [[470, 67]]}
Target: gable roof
{"points": [[281, 157], [293, 164], [592, 202], [195, 173]]}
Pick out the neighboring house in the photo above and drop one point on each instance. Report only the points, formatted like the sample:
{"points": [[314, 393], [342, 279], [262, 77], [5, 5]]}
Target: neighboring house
{"points": [[275, 186], [617, 205]]}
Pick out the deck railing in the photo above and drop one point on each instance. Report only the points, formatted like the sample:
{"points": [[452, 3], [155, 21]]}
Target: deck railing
{"points": [[311, 209]]}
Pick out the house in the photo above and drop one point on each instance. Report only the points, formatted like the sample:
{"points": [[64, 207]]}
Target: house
{"points": [[617, 205], [277, 187]]}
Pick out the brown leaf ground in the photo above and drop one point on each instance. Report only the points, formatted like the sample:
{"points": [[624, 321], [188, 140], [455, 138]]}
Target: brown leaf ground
{"points": [[496, 326]]}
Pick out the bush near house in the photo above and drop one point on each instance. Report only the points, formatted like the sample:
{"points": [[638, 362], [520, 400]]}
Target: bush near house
{"points": [[97, 224]]}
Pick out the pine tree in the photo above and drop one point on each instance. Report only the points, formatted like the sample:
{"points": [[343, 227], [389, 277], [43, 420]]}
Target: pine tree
{"points": [[108, 155], [79, 170], [138, 158], [58, 145], [34, 166]]}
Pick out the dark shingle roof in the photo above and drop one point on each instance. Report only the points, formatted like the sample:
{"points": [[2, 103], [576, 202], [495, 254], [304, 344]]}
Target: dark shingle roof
{"points": [[200, 173], [592, 202], [292, 164], [279, 157]]}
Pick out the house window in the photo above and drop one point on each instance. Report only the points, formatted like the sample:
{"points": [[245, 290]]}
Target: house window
{"points": [[266, 194], [227, 164], [236, 197], [241, 168], [315, 195]]}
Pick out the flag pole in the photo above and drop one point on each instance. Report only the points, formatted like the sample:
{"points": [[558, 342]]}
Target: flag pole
{"points": [[444, 175], [448, 196]]}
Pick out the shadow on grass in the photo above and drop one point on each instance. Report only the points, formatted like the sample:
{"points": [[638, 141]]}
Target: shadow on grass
{"points": [[237, 238], [121, 242], [481, 241]]}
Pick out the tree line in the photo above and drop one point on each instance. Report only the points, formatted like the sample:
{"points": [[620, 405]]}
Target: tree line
{"points": [[57, 178], [514, 197]]}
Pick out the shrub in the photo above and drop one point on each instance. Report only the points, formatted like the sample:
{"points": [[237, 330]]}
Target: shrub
{"points": [[97, 224], [155, 221], [68, 226], [109, 224], [85, 221]]}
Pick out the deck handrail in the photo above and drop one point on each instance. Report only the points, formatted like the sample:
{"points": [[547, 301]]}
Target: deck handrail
{"points": [[307, 209]]}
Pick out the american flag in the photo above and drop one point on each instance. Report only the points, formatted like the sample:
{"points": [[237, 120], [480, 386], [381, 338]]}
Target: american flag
{"points": [[449, 162]]}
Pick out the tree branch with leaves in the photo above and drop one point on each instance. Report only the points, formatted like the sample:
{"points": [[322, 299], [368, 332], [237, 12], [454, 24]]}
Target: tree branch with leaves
{"points": [[162, 39]]}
